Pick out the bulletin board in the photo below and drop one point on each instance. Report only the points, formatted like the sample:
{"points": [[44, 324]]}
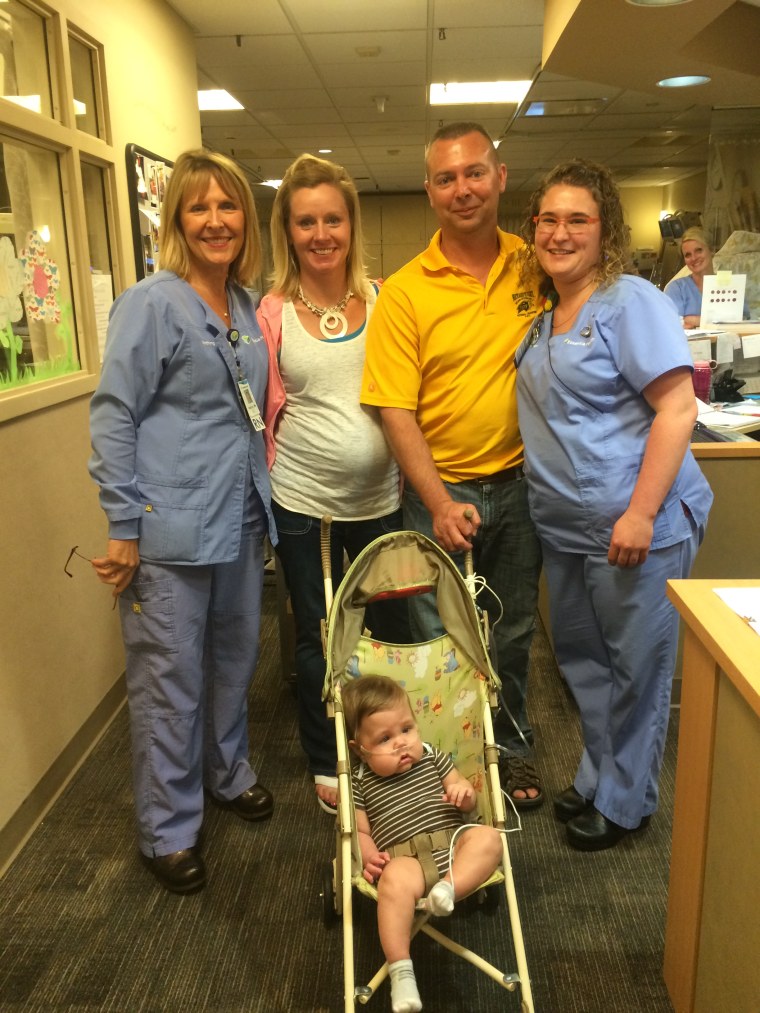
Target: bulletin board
{"points": [[147, 176]]}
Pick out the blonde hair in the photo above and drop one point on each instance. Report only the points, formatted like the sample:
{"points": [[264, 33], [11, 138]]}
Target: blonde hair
{"points": [[307, 172], [366, 696], [190, 177], [694, 235]]}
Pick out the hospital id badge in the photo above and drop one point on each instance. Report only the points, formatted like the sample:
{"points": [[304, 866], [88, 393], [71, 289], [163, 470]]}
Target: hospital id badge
{"points": [[252, 409]]}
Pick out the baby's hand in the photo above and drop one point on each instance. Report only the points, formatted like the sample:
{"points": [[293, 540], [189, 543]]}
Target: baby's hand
{"points": [[374, 865], [461, 794]]}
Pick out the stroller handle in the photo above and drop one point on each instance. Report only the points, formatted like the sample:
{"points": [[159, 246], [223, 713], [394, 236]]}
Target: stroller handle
{"points": [[324, 548], [469, 571]]}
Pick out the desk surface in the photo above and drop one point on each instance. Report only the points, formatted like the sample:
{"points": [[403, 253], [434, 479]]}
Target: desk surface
{"points": [[733, 644]]}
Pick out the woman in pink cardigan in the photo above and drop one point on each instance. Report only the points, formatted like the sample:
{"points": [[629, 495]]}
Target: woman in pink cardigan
{"points": [[327, 453]]}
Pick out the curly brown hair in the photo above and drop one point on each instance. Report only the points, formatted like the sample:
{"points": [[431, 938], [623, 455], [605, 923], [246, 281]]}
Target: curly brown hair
{"points": [[614, 255]]}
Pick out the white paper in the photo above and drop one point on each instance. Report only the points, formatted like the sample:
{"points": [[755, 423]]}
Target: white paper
{"points": [[744, 601], [102, 294], [751, 345], [744, 408], [700, 349], [722, 298], [724, 348]]}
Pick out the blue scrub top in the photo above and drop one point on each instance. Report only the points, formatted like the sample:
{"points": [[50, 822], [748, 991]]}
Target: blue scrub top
{"points": [[585, 423]]}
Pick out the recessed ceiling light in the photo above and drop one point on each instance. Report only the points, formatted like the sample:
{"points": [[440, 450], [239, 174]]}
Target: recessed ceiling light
{"points": [[325, 151], [274, 183], [216, 98], [454, 93], [657, 3], [686, 81]]}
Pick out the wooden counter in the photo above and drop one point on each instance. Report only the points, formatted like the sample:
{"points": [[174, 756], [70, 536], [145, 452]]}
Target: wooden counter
{"points": [[712, 937]]}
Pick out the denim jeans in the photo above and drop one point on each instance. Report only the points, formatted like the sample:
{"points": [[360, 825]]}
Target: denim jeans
{"points": [[506, 552], [299, 553]]}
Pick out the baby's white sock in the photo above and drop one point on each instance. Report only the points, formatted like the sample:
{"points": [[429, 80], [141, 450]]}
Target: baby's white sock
{"points": [[404, 995], [440, 900]]}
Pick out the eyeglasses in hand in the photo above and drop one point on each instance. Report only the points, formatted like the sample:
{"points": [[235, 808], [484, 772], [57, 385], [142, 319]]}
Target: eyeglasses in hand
{"points": [[75, 552]]}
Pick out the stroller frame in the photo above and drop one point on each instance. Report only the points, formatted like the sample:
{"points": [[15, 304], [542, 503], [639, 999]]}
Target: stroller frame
{"points": [[424, 566]]}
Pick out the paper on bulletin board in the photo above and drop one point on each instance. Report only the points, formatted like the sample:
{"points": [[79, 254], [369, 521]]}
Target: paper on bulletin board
{"points": [[722, 298], [102, 294]]}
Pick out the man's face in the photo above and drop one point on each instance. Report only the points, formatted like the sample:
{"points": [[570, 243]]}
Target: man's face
{"points": [[463, 184]]}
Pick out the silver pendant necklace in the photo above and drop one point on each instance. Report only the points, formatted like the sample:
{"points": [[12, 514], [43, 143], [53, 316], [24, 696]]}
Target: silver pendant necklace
{"points": [[332, 321]]}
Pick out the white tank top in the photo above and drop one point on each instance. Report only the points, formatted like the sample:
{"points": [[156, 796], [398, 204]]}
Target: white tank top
{"points": [[332, 456]]}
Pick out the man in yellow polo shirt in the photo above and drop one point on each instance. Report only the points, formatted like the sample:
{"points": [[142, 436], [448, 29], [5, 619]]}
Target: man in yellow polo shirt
{"points": [[440, 366]]}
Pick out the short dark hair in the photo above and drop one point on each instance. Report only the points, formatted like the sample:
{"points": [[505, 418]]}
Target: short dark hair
{"points": [[614, 258], [452, 131], [366, 696]]}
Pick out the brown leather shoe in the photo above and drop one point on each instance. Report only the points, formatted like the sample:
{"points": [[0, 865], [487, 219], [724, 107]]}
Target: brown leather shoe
{"points": [[181, 871], [254, 804]]}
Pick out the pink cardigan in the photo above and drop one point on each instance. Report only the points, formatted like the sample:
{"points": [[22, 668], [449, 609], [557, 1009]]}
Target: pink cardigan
{"points": [[269, 315]]}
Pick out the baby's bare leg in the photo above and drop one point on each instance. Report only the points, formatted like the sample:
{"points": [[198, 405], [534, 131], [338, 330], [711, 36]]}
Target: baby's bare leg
{"points": [[400, 886], [477, 853]]}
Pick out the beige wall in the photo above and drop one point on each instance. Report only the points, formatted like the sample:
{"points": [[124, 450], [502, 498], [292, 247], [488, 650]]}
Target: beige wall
{"points": [[397, 228], [60, 651]]}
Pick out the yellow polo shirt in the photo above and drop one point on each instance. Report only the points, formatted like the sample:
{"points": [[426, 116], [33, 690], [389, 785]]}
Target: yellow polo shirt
{"points": [[441, 344]]}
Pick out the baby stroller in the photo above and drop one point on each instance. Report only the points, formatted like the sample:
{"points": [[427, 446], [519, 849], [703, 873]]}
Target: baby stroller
{"points": [[451, 685]]}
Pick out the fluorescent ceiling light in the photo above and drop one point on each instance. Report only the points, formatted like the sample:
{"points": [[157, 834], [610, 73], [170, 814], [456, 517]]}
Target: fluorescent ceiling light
{"points": [[216, 98], [274, 183], [687, 81], [566, 107], [657, 3], [27, 101], [325, 151], [456, 93]]}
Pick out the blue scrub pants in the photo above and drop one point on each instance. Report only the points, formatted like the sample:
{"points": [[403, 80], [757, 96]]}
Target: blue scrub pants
{"points": [[298, 550], [615, 639], [507, 553], [191, 635]]}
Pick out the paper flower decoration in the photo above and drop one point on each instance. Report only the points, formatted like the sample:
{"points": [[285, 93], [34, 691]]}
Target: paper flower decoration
{"points": [[41, 281], [11, 283]]}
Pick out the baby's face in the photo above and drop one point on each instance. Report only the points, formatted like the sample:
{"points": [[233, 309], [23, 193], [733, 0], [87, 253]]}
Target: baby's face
{"points": [[389, 741]]}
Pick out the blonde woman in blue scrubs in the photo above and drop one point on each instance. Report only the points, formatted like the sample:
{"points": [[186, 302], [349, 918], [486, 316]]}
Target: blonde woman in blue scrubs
{"points": [[606, 409], [178, 454]]}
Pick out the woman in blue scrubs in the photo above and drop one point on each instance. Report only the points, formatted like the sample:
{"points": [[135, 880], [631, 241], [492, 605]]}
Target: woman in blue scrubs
{"points": [[178, 454], [606, 408], [686, 292]]}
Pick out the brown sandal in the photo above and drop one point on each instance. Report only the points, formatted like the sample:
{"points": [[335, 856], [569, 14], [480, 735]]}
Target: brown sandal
{"points": [[518, 774]]}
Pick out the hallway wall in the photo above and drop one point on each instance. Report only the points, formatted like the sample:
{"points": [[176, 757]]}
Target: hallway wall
{"points": [[61, 657]]}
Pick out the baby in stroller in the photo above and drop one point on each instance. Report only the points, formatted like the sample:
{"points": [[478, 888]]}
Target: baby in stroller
{"points": [[410, 800]]}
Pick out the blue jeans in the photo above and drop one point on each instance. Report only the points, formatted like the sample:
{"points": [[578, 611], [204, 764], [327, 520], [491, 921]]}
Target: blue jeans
{"points": [[507, 553], [299, 553]]}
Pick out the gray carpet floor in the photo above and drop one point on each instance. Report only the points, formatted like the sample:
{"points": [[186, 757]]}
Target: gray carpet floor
{"points": [[84, 927]]}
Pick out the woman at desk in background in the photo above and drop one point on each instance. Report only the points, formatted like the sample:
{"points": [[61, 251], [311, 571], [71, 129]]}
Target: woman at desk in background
{"points": [[606, 410], [686, 292]]}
